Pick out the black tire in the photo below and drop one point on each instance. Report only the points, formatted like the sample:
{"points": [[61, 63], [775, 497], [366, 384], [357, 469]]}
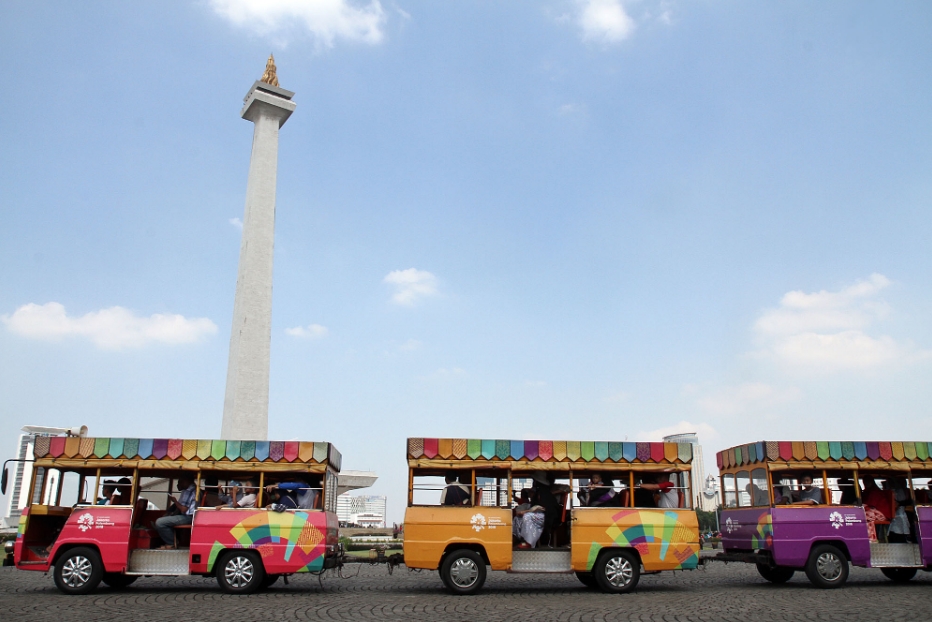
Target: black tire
{"points": [[240, 572], [775, 574], [617, 571], [118, 581], [78, 571], [827, 567], [270, 580], [463, 572], [587, 579], [899, 575]]}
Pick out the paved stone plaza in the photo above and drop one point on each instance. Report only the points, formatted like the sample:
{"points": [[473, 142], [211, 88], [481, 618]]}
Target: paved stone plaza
{"points": [[732, 592]]}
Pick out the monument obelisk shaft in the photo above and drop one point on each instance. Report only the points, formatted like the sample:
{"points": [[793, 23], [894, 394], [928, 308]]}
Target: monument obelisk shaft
{"points": [[246, 402]]}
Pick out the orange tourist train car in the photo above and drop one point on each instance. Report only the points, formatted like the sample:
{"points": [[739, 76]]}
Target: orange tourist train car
{"points": [[603, 510]]}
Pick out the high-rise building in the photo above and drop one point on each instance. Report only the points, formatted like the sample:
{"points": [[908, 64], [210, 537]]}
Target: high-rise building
{"points": [[700, 500], [361, 510], [20, 481]]}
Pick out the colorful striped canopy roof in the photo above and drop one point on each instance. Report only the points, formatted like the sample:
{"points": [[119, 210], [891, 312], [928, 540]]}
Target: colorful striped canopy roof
{"points": [[825, 451], [184, 450], [595, 452]]}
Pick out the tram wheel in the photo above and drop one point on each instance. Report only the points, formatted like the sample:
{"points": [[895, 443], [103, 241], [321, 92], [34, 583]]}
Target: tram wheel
{"points": [[827, 567], [617, 571], [587, 579], [78, 571], [240, 572], [463, 572], [899, 575], [118, 581], [775, 574]]}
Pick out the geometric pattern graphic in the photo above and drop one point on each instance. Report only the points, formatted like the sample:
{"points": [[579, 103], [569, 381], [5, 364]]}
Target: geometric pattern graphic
{"points": [[290, 535], [588, 452], [657, 537]]}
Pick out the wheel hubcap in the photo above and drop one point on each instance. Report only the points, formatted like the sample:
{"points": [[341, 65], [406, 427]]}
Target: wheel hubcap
{"points": [[76, 571], [464, 572], [829, 566], [239, 572], [619, 572]]}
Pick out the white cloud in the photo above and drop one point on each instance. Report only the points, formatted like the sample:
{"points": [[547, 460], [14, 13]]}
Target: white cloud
{"points": [[311, 331], [750, 397], [411, 285], [704, 430], [604, 21], [326, 20], [410, 345], [829, 330], [853, 307], [236, 222], [114, 328]]}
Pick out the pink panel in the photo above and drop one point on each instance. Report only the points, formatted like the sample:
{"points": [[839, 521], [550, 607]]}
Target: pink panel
{"points": [[786, 450], [656, 452], [174, 448], [291, 450], [57, 446], [430, 447], [545, 450]]}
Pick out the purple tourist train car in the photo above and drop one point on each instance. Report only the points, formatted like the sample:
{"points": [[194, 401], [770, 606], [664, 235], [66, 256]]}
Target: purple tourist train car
{"points": [[819, 506]]}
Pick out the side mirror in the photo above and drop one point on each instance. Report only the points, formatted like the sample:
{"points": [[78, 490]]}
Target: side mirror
{"points": [[3, 481]]}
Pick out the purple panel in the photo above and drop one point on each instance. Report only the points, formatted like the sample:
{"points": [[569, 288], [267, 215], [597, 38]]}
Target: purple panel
{"points": [[159, 448], [276, 450], [530, 449], [643, 451], [873, 451]]}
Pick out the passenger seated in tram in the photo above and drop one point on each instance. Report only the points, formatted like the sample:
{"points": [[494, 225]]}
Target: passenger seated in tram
{"points": [[646, 493], [180, 511], [241, 495], [455, 493], [305, 495], [107, 492], [900, 528], [878, 508], [542, 486], [758, 496], [808, 494], [597, 493], [849, 495], [528, 522]]}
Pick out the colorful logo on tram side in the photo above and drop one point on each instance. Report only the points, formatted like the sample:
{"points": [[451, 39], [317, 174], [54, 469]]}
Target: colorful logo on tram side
{"points": [[763, 537], [642, 528], [289, 534]]}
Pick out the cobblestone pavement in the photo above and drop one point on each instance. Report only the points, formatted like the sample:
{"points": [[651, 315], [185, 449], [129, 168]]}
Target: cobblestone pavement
{"points": [[719, 592]]}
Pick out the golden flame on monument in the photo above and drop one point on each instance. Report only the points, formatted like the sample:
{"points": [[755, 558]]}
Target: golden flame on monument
{"points": [[270, 76]]}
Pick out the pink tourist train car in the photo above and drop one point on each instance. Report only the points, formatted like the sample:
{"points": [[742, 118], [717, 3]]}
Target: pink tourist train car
{"points": [[114, 509]]}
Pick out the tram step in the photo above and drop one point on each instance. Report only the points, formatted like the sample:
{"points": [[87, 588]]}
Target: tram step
{"points": [[541, 560], [170, 562], [904, 555]]}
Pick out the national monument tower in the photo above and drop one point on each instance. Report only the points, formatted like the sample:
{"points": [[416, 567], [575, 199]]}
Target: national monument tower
{"points": [[246, 402]]}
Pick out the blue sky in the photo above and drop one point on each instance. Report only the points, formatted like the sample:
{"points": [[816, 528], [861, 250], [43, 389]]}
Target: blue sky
{"points": [[557, 219]]}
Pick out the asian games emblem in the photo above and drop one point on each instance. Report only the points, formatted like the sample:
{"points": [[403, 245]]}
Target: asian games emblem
{"points": [[478, 522], [838, 521], [85, 522], [731, 525]]}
